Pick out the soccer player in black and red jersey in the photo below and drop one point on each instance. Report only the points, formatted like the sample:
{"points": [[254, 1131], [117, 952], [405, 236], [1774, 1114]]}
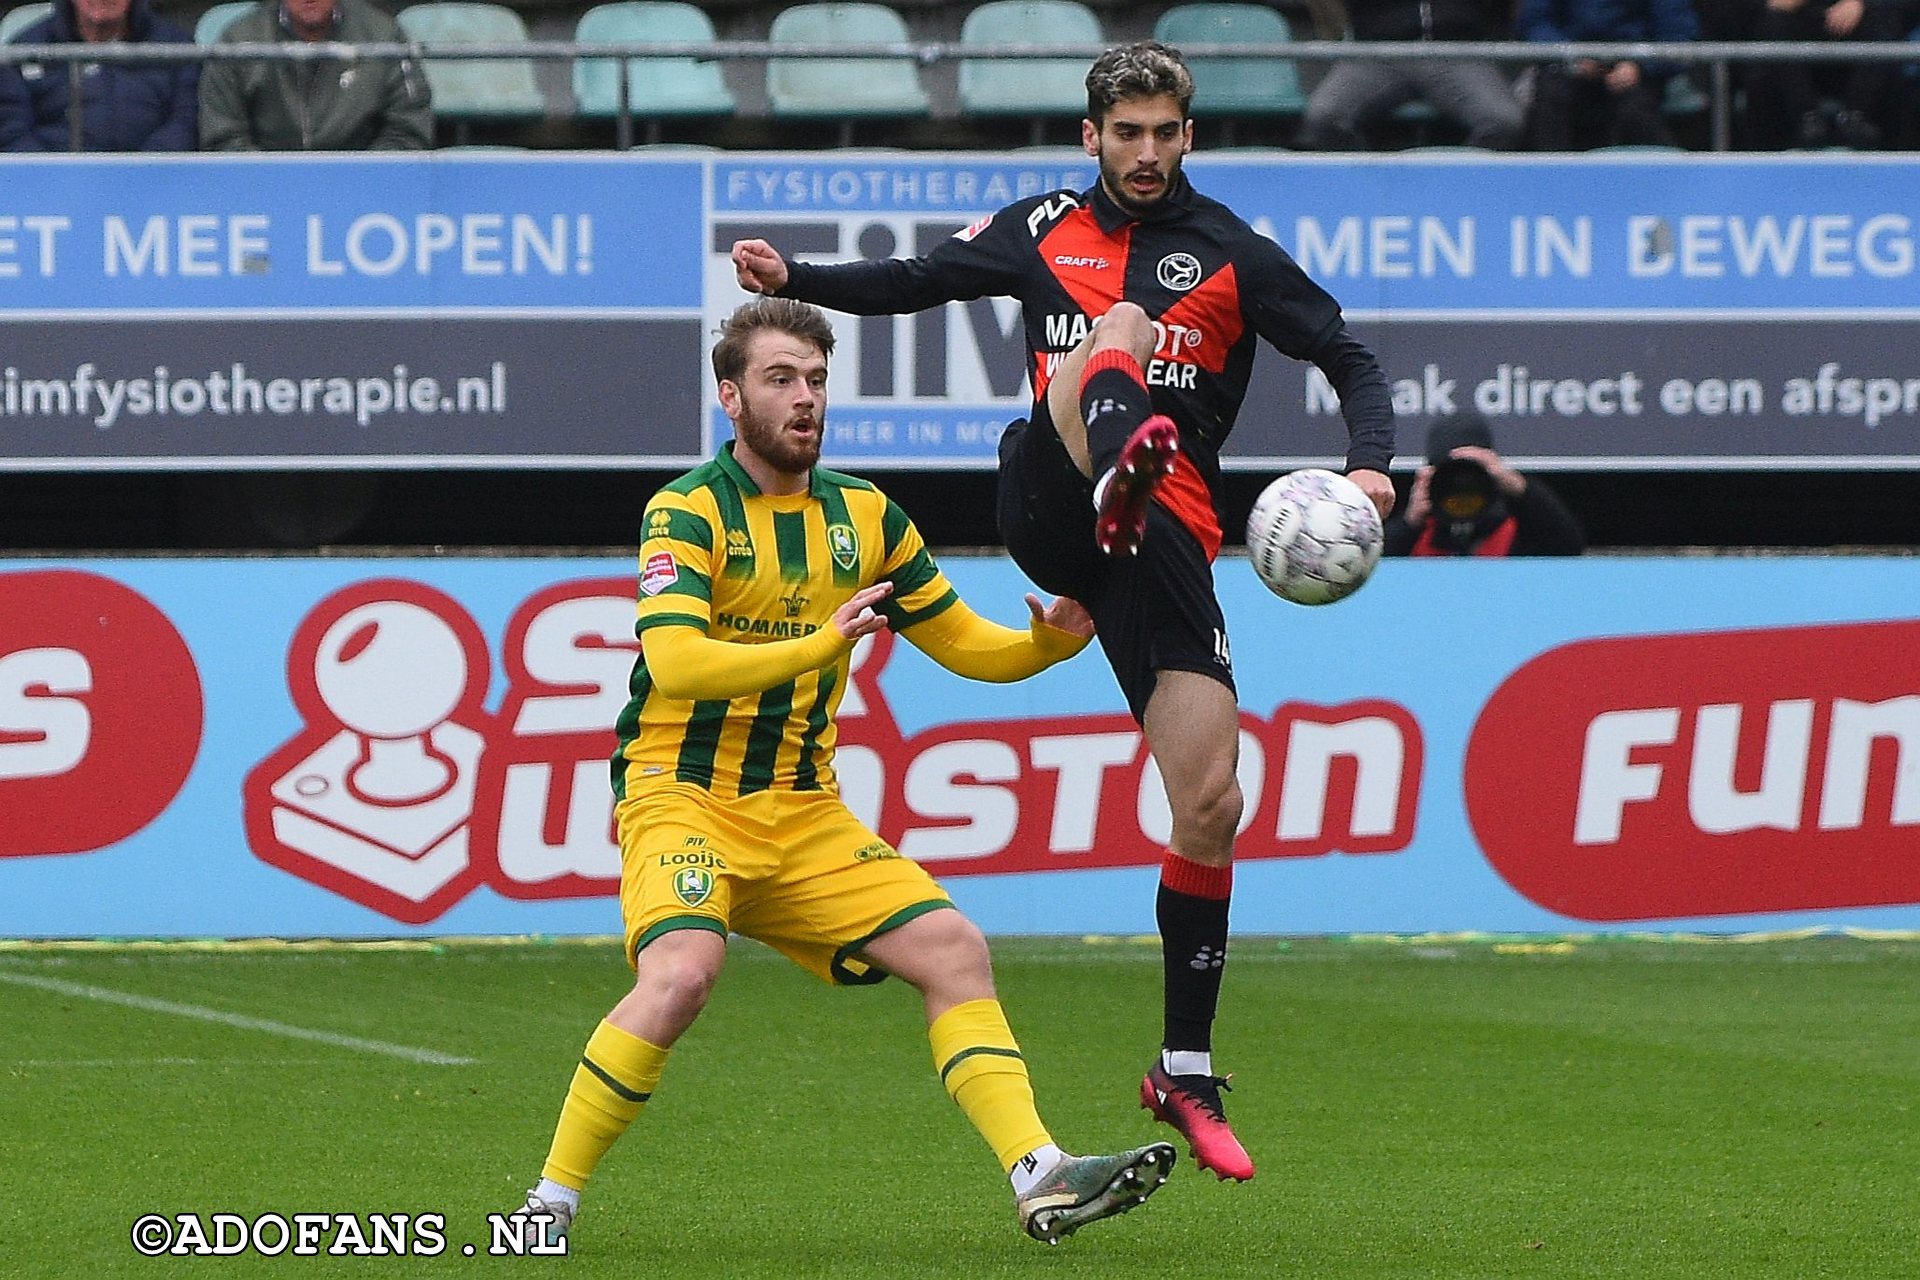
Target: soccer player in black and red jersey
{"points": [[1143, 301]]}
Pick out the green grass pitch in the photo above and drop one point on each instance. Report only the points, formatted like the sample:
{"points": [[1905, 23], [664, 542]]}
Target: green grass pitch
{"points": [[1420, 1108]]}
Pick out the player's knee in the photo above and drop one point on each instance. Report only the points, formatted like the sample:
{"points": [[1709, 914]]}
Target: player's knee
{"points": [[1125, 325], [678, 982], [970, 948], [1208, 815], [958, 940], [942, 952]]}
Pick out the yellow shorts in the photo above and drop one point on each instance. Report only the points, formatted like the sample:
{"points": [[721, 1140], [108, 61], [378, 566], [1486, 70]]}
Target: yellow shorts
{"points": [[795, 870]]}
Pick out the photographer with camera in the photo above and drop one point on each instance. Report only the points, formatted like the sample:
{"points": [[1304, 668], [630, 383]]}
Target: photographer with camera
{"points": [[1468, 502]]}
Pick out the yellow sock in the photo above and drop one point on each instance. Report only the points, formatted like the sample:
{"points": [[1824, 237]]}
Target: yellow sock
{"points": [[616, 1076], [981, 1066]]}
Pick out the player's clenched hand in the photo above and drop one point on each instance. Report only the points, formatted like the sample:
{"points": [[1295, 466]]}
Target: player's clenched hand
{"points": [[1062, 615], [856, 617], [758, 266], [1376, 486]]}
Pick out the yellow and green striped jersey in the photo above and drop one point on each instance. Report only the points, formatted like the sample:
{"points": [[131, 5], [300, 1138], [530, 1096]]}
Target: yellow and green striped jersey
{"points": [[750, 568]]}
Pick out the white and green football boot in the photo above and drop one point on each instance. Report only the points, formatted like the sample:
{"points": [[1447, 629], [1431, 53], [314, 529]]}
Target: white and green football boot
{"points": [[1083, 1189]]}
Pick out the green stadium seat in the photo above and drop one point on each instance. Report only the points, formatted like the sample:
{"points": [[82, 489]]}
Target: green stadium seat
{"points": [[470, 88], [14, 21], [214, 22], [1235, 86], [656, 86], [1040, 87], [1683, 97], [842, 88]]}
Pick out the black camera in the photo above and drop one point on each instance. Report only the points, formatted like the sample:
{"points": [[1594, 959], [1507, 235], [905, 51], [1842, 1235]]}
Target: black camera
{"points": [[1460, 489]]}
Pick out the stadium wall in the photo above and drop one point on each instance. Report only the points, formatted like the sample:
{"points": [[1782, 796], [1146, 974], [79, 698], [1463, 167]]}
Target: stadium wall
{"points": [[389, 747]]}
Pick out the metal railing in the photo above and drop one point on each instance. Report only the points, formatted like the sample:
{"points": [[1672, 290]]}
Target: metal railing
{"points": [[1717, 56]]}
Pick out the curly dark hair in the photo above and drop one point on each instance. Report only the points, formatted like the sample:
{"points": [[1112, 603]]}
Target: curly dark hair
{"points": [[1144, 69]]}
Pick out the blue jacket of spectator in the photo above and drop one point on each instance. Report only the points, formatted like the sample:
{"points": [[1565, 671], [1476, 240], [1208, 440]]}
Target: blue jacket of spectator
{"points": [[126, 106], [1559, 21]]}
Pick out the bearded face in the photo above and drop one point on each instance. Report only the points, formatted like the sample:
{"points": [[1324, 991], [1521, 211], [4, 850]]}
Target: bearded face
{"points": [[1139, 145], [787, 438], [778, 406]]}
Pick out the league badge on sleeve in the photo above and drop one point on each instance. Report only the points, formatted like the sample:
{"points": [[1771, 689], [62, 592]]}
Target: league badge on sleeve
{"points": [[659, 573]]}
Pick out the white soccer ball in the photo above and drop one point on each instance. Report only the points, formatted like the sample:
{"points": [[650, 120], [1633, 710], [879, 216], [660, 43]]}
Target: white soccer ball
{"points": [[1313, 537]]}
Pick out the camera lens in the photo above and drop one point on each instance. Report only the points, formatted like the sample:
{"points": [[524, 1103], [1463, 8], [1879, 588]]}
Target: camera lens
{"points": [[1461, 488]]}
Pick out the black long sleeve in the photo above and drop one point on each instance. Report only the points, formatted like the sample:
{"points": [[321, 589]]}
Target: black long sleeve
{"points": [[1366, 402]]}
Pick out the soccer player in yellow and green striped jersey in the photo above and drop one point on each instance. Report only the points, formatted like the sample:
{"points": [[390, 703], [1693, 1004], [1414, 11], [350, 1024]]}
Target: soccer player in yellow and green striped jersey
{"points": [[759, 571]]}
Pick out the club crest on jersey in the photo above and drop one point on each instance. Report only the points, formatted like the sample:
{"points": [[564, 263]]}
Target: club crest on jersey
{"points": [[844, 544], [659, 573], [693, 885], [1179, 271]]}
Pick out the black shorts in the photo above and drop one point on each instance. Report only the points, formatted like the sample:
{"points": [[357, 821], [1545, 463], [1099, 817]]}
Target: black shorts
{"points": [[1155, 611]]}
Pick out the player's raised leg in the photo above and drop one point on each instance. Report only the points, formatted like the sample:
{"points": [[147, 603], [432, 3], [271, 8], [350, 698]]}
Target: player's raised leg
{"points": [[943, 954], [1099, 405], [1192, 725], [620, 1069]]}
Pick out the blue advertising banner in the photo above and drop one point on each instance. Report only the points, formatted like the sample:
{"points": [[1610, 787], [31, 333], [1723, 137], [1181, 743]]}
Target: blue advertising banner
{"points": [[1452, 233], [419, 746], [347, 232], [1679, 311], [1545, 235]]}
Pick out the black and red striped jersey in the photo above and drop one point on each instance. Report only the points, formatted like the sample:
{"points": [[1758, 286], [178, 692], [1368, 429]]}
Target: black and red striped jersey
{"points": [[1212, 285]]}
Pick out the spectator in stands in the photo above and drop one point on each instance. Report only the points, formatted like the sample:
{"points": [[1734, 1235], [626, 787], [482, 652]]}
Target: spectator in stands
{"points": [[315, 106], [1475, 93], [1468, 502], [124, 106], [1587, 102], [1809, 104]]}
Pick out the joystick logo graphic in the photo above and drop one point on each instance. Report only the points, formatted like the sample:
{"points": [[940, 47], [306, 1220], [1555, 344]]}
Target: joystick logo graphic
{"points": [[404, 794], [373, 799]]}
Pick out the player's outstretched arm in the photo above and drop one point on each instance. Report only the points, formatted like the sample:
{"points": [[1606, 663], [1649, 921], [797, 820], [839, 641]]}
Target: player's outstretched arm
{"points": [[686, 664], [969, 645]]}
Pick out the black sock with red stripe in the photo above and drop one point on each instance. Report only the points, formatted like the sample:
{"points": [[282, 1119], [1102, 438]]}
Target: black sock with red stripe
{"points": [[1113, 404], [1192, 912]]}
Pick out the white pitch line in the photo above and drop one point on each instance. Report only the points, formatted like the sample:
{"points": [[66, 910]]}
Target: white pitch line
{"points": [[241, 1020], [122, 1064]]}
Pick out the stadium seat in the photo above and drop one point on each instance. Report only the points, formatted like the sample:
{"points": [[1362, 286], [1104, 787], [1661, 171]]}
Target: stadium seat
{"points": [[1416, 117], [1037, 87], [1682, 97], [215, 21], [842, 88], [1235, 86], [656, 86], [14, 21], [471, 89]]}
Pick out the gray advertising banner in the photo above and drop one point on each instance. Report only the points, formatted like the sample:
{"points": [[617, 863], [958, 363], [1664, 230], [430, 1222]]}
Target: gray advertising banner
{"points": [[1621, 392], [401, 391]]}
